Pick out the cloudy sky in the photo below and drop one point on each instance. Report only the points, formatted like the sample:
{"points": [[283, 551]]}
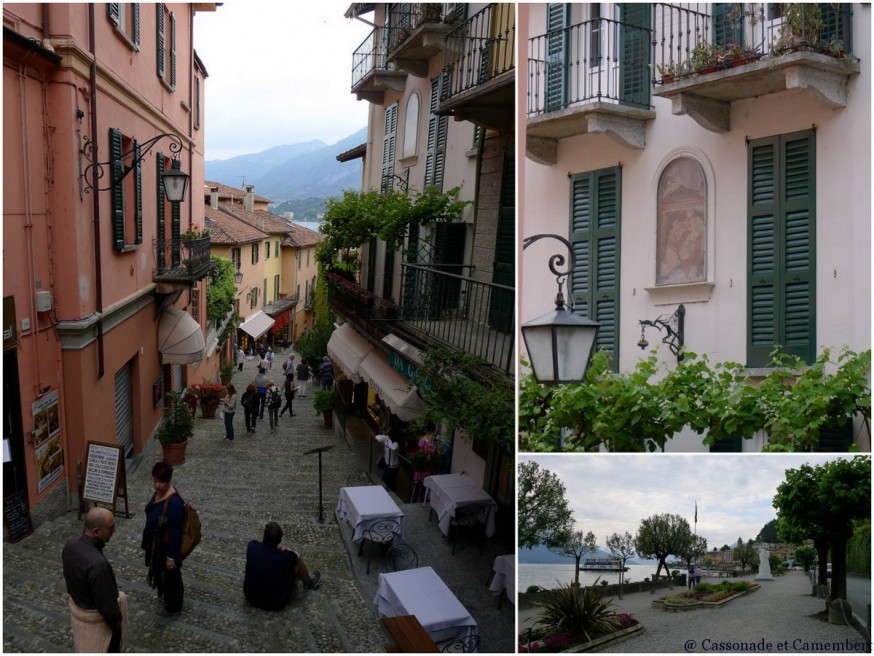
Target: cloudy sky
{"points": [[613, 493], [279, 73]]}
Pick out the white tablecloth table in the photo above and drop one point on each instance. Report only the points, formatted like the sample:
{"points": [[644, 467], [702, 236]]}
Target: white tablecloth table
{"points": [[422, 593], [447, 492], [505, 577], [363, 506]]}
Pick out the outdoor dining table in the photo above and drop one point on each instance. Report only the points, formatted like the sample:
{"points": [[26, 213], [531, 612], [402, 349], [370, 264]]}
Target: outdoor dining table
{"points": [[504, 578], [448, 492], [421, 592], [364, 505]]}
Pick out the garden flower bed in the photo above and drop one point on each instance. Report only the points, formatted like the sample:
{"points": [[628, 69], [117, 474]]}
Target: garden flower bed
{"points": [[705, 595], [542, 641]]}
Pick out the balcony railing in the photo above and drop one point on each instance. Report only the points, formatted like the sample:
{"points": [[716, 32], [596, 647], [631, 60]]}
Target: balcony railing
{"points": [[355, 303], [181, 261], [404, 19], [459, 312], [689, 42], [368, 57], [480, 49], [600, 60]]}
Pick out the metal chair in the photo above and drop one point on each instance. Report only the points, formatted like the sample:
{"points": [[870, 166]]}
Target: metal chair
{"points": [[469, 519], [401, 556], [465, 645], [357, 478], [380, 533]]}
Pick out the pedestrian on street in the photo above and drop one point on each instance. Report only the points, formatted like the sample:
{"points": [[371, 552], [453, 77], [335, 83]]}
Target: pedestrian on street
{"points": [[230, 404], [390, 459], [274, 401], [260, 383], [272, 570], [162, 540], [302, 373], [327, 372], [269, 358], [288, 365], [288, 389], [250, 402], [98, 610], [241, 358]]}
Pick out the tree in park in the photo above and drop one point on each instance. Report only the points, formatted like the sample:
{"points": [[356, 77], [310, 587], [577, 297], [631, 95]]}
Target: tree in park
{"points": [[745, 554], [798, 521], [839, 493], [696, 548], [805, 556], [622, 547], [576, 546], [544, 515], [660, 536]]}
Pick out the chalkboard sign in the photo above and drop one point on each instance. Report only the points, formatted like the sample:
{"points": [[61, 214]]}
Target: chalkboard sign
{"points": [[16, 517], [104, 475]]}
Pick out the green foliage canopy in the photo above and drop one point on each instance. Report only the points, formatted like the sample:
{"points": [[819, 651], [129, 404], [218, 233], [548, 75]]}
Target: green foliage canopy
{"points": [[660, 536], [544, 515], [576, 546], [220, 292]]}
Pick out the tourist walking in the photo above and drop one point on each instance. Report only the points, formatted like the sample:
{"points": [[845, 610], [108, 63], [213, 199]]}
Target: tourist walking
{"points": [[389, 461], [250, 402], [288, 366], [241, 358], [327, 373], [98, 610], [269, 358], [230, 406], [274, 401], [162, 540], [302, 373], [288, 389], [260, 382]]}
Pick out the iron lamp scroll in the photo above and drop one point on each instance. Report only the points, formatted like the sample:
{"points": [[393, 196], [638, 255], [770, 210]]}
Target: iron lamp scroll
{"points": [[674, 328], [560, 343]]}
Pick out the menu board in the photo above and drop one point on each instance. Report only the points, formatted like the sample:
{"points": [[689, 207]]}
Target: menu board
{"points": [[16, 517], [102, 469]]}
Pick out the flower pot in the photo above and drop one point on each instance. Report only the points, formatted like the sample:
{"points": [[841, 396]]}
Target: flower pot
{"points": [[174, 453], [208, 408], [329, 418]]}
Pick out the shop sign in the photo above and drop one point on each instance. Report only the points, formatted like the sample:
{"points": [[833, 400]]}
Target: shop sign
{"points": [[408, 369], [46, 438]]}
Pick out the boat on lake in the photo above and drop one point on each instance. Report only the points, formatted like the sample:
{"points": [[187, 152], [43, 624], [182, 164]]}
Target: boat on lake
{"points": [[602, 565]]}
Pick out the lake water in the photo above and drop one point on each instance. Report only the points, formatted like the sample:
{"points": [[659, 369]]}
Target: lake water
{"points": [[546, 575]]}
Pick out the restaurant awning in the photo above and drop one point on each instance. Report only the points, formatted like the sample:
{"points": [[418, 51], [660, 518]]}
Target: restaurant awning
{"points": [[256, 325], [396, 392], [347, 349], [180, 338]]}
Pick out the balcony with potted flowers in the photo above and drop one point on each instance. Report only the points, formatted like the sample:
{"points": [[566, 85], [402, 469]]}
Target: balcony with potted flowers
{"points": [[703, 62], [416, 32], [182, 261]]}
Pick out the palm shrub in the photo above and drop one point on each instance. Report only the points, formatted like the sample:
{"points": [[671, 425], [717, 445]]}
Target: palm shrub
{"points": [[573, 609]]}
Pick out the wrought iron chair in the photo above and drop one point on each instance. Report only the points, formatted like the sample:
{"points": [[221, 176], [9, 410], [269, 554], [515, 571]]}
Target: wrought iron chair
{"points": [[357, 478], [381, 533], [465, 645], [401, 556], [468, 519]]}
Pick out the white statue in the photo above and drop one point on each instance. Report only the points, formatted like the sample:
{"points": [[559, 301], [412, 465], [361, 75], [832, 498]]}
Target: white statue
{"points": [[764, 566]]}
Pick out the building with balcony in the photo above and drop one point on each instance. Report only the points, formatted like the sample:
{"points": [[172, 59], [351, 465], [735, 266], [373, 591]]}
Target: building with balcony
{"points": [[103, 100], [709, 159], [439, 78]]}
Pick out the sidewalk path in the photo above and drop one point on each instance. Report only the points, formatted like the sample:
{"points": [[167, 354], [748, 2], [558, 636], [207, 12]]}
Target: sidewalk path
{"points": [[238, 487]]}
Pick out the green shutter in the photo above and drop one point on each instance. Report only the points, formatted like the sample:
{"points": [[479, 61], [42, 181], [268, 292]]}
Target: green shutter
{"points": [[435, 152], [593, 285], [161, 45], [161, 206], [138, 195], [135, 9], [728, 445], [175, 224], [556, 54], [781, 233], [634, 37], [371, 265], [388, 269], [502, 301], [728, 20], [112, 12], [116, 150], [835, 438], [837, 23], [388, 146], [172, 50]]}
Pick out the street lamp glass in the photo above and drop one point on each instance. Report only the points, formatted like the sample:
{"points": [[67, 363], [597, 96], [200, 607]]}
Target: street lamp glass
{"points": [[238, 276], [175, 184], [559, 346]]}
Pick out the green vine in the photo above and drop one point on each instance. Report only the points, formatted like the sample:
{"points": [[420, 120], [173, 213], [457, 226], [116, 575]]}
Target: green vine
{"points": [[645, 408], [220, 291]]}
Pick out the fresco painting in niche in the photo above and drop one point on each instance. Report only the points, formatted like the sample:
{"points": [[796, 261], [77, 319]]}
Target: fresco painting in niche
{"points": [[681, 249]]}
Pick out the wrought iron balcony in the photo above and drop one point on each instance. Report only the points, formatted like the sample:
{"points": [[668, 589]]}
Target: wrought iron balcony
{"points": [[416, 33], [371, 76], [705, 61], [356, 304], [479, 68], [181, 261]]}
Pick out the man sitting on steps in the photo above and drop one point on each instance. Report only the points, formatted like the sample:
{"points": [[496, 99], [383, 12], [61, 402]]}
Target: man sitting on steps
{"points": [[271, 571]]}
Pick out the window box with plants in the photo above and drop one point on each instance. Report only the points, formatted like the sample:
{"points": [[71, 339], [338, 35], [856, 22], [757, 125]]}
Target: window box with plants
{"points": [[175, 429]]}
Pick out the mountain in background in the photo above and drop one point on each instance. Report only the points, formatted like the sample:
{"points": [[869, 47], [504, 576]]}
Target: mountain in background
{"points": [[540, 555], [297, 172]]}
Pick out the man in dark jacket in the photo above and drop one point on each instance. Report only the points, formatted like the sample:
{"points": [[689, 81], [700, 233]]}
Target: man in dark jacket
{"points": [[271, 570]]}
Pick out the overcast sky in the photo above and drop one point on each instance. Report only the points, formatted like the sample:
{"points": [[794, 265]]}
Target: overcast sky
{"points": [[613, 493], [279, 73]]}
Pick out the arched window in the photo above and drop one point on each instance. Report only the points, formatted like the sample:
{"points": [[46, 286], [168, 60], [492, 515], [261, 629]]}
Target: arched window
{"points": [[681, 224], [411, 126]]}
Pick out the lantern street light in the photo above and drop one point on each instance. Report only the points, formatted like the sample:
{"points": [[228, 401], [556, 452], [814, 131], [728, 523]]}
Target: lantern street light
{"points": [[559, 343]]}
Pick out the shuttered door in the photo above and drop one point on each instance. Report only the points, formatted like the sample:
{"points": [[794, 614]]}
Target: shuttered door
{"points": [[124, 407], [594, 235], [388, 147], [435, 154], [177, 378], [728, 21], [556, 54], [635, 53], [117, 192], [781, 304], [502, 302]]}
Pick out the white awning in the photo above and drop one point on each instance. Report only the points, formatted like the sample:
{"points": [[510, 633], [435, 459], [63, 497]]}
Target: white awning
{"points": [[180, 338], [258, 324], [396, 392], [347, 349]]}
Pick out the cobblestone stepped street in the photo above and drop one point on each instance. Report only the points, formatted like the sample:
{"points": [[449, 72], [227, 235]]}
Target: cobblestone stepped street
{"points": [[237, 488]]}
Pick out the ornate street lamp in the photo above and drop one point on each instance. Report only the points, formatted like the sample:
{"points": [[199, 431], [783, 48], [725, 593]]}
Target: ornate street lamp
{"points": [[559, 343], [238, 276]]}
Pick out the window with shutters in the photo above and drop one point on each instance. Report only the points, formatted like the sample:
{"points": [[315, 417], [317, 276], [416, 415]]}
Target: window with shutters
{"points": [[781, 264], [267, 250], [166, 45], [276, 287], [197, 108], [195, 304], [125, 16], [411, 125], [237, 257], [593, 285], [126, 191], [435, 154], [389, 140], [255, 253], [161, 215]]}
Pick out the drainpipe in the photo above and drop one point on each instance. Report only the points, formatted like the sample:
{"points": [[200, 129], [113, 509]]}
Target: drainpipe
{"points": [[98, 271]]}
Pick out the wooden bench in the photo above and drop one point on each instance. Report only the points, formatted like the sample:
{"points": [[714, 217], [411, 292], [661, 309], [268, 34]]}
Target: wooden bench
{"points": [[409, 635]]}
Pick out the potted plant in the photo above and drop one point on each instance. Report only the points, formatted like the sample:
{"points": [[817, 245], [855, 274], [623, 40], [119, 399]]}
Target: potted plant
{"points": [[210, 395], [431, 11], [226, 371], [175, 429], [323, 402], [704, 57]]}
